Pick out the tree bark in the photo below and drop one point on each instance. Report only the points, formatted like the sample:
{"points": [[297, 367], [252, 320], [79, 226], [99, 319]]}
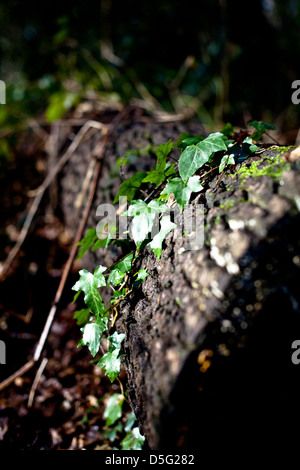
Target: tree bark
{"points": [[209, 331]]}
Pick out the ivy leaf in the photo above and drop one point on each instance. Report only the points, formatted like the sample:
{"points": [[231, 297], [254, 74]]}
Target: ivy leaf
{"points": [[102, 243], [82, 315], [158, 175], [115, 277], [89, 283], [170, 171], [111, 361], [155, 177], [115, 341], [141, 274], [186, 139], [113, 410], [92, 332], [227, 130], [260, 127], [143, 218], [111, 364], [117, 294], [119, 270], [111, 433], [253, 148], [87, 242], [166, 227], [133, 440], [130, 422], [225, 161], [125, 264], [162, 151], [182, 192], [195, 156], [130, 186]]}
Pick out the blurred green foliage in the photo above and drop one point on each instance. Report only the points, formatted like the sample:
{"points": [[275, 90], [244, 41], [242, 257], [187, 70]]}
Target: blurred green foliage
{"points": [[226, 60]]}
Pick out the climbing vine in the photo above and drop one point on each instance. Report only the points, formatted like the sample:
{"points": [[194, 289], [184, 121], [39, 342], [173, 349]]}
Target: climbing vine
{"points": [[168, 183], [198, 156]]}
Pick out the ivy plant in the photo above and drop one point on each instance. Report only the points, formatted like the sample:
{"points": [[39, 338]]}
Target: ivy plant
{"points": [[198, 156]]}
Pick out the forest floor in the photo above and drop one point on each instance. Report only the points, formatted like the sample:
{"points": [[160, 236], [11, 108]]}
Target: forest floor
{"points": [[63, 408]]}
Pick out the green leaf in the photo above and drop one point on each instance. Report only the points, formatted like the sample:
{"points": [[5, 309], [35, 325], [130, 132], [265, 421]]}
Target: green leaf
{"points": [[186, 139], [162, 151], [155, 177], [260, 127], [253, 148], [158, 175], [141, 274], [227, 130], [193, 185], [129, 187], [92, 334], [130, 422], [125, 264], [115, 277], [91, 240], [89, 283], [111, 433], [166, 227], [82, 315], [133, 440], [111, 364], [195, 156], [143, 218], [113, 410], [87, 242], [225, 161], [102, 243], [170, 171], [261, 124], [111, 361], [60, 102], [119, 270], [182, 192], [116, 340], [117, 294]]}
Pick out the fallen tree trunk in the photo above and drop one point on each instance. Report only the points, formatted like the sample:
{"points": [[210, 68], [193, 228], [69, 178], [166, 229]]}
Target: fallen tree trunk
{"points": [[209, 331]]}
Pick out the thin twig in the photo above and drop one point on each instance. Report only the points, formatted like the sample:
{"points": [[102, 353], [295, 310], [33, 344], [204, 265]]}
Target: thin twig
{"points": [[68, 264], [40, 192], [273, 138], [26, 367], [36, 382]]}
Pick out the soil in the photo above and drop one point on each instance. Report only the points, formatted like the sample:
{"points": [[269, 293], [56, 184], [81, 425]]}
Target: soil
{"points": [[70, 398]]}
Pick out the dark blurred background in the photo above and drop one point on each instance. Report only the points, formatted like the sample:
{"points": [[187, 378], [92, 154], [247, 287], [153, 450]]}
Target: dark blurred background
{"points": [[228, 60]]}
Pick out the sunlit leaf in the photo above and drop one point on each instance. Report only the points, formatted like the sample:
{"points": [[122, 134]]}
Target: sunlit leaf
{"points": [[195, 156], [130, 186], [113, 410], [89, 283], [165, 227], [92, 332], [111, 361], [182, 192], [143, 217], [133, 440]]}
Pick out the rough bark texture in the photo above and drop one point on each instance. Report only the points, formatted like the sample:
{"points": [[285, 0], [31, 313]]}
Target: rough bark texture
{"points": [[209, 331]]}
